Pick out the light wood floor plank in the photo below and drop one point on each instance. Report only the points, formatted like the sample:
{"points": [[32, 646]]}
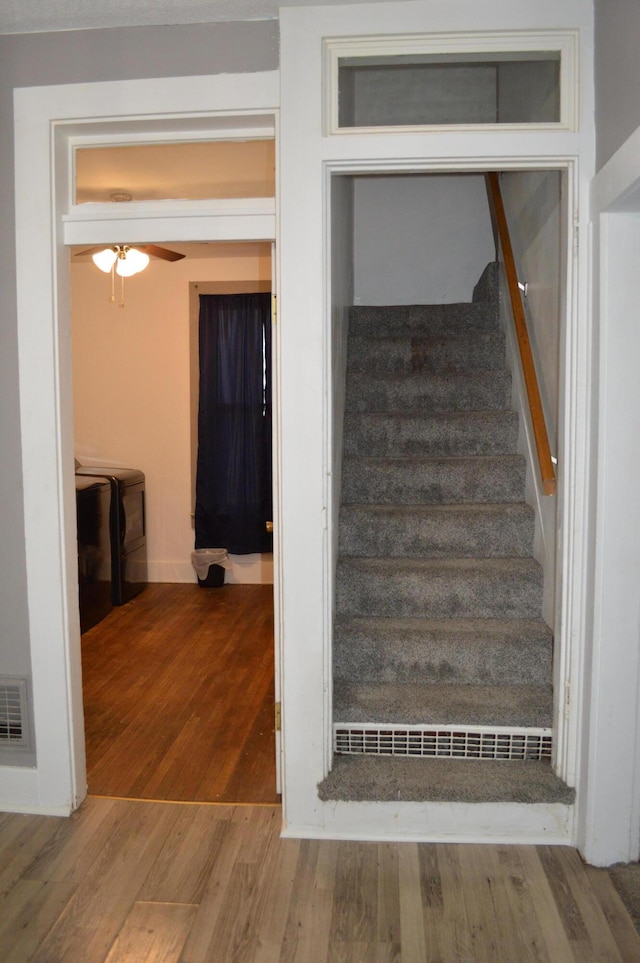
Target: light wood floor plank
{"points": [[519, 897], [94, 915], [432, 903], [223, 909], [389, 925], [186, 861], [153, 933], [455, 930], [600, 940], [110, 885], [550, 914], [23, 841], [511, 939], [275, 886], [480, 909], [412, 930], [308, 927], [27, 914], [78, 842], [618, 920], [356, 894]]}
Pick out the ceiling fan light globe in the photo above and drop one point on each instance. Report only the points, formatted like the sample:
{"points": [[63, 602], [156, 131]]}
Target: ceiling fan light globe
{"points": [[133, 262], [104, 259]]}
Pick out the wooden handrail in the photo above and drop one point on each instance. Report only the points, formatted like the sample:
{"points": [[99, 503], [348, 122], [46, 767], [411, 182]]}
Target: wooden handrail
{"points": [[545, 464]]}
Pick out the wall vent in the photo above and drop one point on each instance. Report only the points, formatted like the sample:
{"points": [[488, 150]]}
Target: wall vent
{"points": [[14, 729], [449, 742]]}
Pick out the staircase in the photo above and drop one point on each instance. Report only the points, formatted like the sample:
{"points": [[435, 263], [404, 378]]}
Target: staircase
{"points": [[442, 663]]}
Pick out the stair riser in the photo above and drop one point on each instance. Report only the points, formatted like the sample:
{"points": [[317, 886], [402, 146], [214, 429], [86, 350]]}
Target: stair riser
{"points": [[485, 352], [442, 661], [438, 535], [403, 593], [472, 391], [433, 481], [487, 433], [417, 704], [422, 320]]}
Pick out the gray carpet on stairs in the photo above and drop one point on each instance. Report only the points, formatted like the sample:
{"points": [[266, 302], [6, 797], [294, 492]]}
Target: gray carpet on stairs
{"points": [[438, 598], [384, 779], [465, 651]]}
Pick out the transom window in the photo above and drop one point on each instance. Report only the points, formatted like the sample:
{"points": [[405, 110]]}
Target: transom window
{"points": [[453, 80]]}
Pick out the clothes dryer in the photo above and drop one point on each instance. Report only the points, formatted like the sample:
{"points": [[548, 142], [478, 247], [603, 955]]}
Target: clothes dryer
{"points": [[127, 527], [93, 505]]}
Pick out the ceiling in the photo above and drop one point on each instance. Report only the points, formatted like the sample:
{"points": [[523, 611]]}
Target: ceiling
{"points": [[206, 169], [28, 16]]}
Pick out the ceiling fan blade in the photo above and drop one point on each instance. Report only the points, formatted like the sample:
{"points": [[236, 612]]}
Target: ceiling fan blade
{"points": [[93, 250], [151, 249], [162, 252]]}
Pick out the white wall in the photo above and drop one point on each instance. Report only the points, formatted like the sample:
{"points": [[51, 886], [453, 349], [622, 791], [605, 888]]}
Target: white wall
{"points": [[420, 239], [536, 210], [131, 372], [535, 205], [341, 300], [617, 74]]}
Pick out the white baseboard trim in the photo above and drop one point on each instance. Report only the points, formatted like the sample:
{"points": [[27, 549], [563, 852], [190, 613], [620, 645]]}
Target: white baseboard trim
{"points": [[496, 823], [20, 792], [178, 572]]}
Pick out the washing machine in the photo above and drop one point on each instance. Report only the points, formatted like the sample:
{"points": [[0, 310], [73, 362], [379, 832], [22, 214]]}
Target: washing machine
{"points": [[93, 509], [127, 528]]}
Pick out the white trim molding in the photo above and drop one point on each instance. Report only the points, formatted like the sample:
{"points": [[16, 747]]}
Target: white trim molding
{"points": [[609, 821], [417, 48], [49, 124], [310, 157]]}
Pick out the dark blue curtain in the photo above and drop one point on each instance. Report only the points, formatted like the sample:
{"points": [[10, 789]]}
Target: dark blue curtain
{"points": [[233, 482]]}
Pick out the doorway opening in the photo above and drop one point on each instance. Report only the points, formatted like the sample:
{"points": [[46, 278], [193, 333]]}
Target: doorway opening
{"points": [[426, 238], [178, 682]]}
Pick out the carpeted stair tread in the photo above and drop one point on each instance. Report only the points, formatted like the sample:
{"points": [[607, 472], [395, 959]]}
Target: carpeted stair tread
{"points": [[436, 480], [436, 531], [450, 651], [408, 320], [442, 391], [469, 351], [416, 703], [436, 434], [388, 779], [438, 599], [483, 588]]}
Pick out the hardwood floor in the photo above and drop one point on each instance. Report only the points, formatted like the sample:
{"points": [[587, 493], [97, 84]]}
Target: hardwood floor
{"points": [[127, 882], [179, 696]]}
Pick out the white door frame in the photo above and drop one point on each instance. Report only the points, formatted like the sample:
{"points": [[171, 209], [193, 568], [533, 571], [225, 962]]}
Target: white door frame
{"points": [[567, 658], [609, 826], [47, 119], [310, 154]]}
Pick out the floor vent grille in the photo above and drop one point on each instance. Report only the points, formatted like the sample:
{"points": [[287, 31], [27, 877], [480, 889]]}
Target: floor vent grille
{"points": [[13, 714], [450, 742]]}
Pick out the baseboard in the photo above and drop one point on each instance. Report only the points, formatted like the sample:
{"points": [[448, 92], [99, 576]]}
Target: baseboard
{"points": [[496, 823], [20, 792]]}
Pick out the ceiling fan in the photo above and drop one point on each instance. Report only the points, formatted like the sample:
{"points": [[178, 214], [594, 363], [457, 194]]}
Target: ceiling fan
{"points": [[125, 260], [128, 258]]}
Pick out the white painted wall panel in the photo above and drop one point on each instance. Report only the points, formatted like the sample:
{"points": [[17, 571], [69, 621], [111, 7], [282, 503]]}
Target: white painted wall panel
{"points": [[420, 239]]}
